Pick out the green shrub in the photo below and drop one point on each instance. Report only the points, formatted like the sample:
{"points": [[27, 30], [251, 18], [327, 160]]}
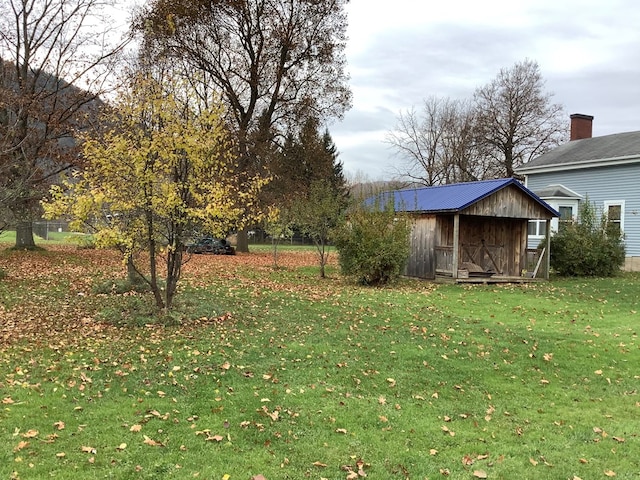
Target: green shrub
{"points": [[590, 247], [374, 244]]}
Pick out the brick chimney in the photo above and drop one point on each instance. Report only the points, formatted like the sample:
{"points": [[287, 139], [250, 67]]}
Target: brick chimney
{"points": [[581, 126]]}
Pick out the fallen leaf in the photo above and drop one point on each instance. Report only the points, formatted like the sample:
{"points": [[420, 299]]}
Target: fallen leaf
{"points": [[61, 454], [480, 474], [225, 366], [59, 425], [610, 473], [22, 444], [135, 428], [319, 464], [258, 477], [341, 430], [30, 434], [121, 447], [151, 442], [533, 462], [90, 450], [7, 401]]}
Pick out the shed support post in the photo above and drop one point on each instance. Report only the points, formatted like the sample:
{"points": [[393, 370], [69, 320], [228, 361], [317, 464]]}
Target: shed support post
{"points": [[548, 251], [456, 245]]}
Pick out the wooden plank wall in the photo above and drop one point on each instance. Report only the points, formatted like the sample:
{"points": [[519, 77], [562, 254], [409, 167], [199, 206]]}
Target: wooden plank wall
{"points": [[422, 261], [503, 236], [510, 202]]}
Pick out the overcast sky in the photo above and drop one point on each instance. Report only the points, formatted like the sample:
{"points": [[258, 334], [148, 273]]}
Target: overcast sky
{"points": [[402, 52]]}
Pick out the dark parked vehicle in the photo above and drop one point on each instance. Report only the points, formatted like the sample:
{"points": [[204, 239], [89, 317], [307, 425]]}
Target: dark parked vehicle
{"points": [[210, 245]]}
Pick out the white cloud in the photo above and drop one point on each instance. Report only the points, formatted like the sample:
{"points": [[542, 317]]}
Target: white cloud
{"points": [[402, 53]]}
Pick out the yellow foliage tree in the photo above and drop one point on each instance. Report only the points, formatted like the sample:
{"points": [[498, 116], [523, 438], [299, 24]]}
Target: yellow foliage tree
{"points": [[159, 174]]}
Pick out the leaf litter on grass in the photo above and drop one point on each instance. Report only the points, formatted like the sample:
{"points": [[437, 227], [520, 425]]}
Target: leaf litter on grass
{"points": [[462, 374]]}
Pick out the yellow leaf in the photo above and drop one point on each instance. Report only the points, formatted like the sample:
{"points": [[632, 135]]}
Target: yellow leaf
{"points": [[122, 446]]}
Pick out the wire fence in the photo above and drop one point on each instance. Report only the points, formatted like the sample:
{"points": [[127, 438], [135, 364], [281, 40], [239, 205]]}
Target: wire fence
{"points": [[45, 229]]}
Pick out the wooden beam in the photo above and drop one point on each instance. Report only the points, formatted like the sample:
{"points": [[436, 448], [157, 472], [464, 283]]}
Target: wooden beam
{"points": [[548, 248], [456, 244]]}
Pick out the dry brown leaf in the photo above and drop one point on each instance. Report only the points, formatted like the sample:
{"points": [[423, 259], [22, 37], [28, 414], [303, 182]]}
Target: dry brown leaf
{"points": [[319, 464], [151, 442], [30, 433], [610, 473], [135, 428], [480, 474], [90, 450], [59, 425], [22, 444]]}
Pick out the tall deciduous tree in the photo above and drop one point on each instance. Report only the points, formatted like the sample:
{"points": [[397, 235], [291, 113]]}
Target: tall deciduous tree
{"points": [[436, 145], [274, 62], [507, 123], [55, 57], [516, 118], [162, 170]]}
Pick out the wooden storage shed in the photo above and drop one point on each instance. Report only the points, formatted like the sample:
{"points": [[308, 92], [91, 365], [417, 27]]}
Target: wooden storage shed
{"points": [[475, 231]]}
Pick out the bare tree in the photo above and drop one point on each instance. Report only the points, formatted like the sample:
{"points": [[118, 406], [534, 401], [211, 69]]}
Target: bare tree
{"points": [[274, 62], [436, 145], [516, 119], [55, 60]]}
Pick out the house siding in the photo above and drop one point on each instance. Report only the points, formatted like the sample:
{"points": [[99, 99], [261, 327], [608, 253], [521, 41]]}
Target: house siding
{"points": [[600, 185]]}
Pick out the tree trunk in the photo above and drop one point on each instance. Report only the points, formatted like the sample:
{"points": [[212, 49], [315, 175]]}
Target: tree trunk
{"points": [[242, 241], [133, 276], [24, 235]]}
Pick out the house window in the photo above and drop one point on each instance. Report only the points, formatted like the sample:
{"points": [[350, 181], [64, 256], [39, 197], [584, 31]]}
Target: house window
{"points": [[615, 214], [566, 216], [537, 228]]}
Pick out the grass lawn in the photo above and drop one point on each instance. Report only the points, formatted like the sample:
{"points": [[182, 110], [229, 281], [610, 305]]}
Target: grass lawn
{"points": [[274, 372]]}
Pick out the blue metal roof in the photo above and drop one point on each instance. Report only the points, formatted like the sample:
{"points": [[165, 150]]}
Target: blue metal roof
{"points": [[454, 197]]}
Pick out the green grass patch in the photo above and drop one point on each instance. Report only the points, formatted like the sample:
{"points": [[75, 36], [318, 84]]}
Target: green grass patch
{"points": [[305, 378]]}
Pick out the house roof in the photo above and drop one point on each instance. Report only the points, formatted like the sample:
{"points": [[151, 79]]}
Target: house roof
{"points": [[557, 191], [454, 197], [618, 148]]}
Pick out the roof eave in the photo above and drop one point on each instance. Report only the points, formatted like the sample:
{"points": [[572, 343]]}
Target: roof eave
{"points": [[600, 162]]}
